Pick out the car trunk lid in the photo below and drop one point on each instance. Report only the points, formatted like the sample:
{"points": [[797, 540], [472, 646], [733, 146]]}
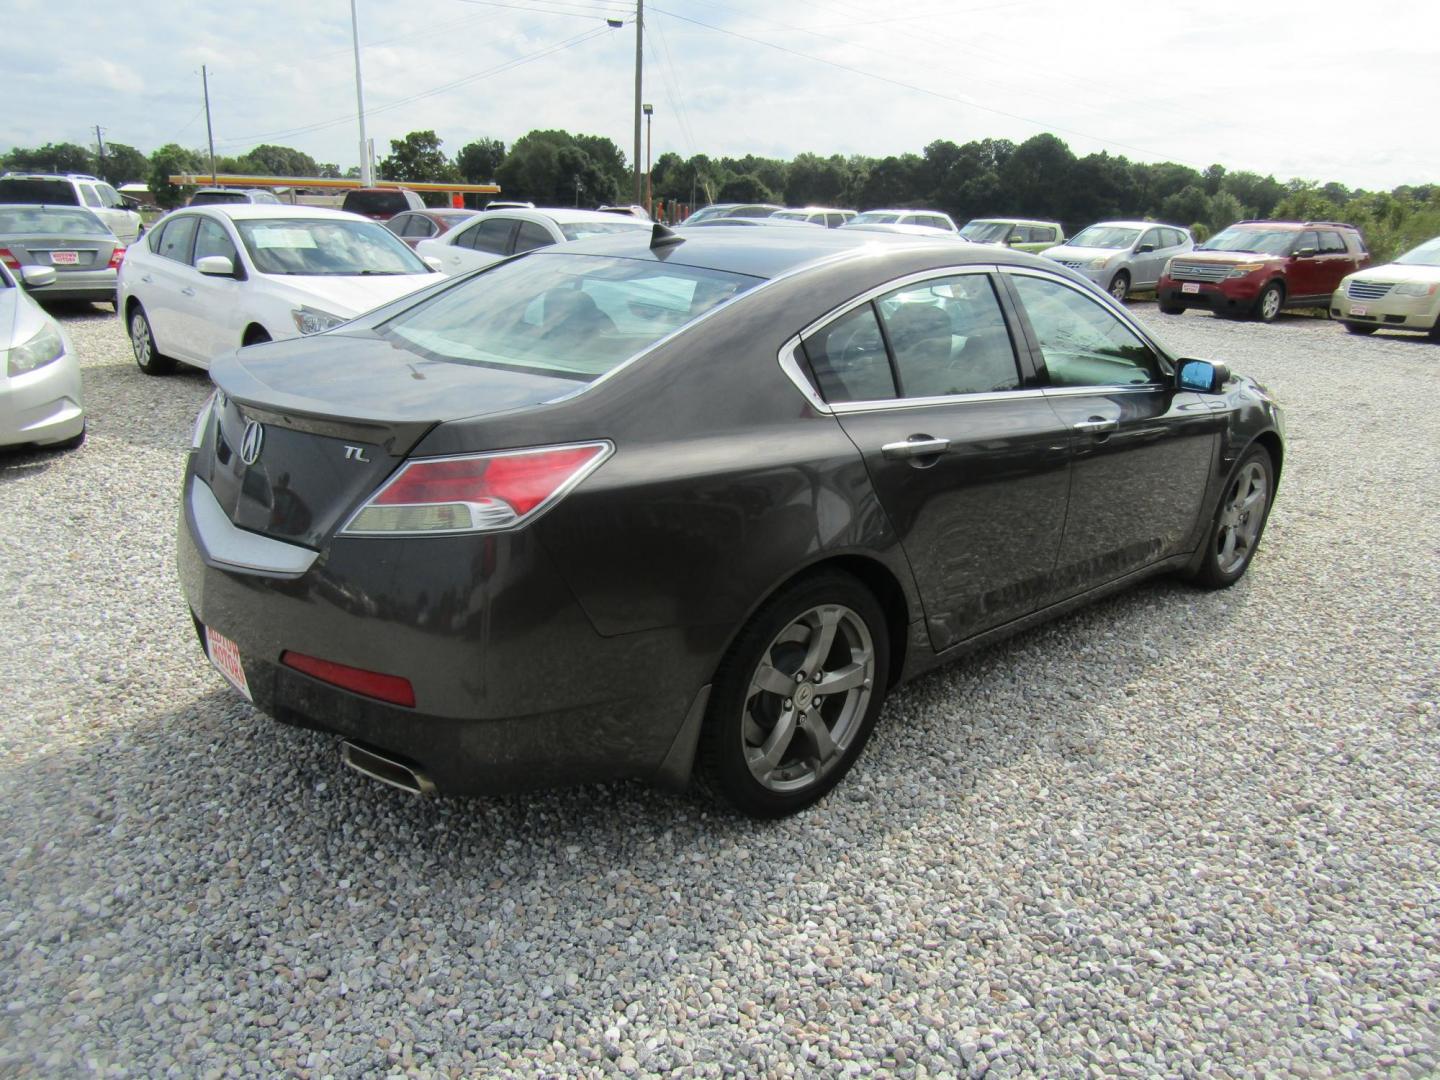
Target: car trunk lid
{"points": [[304, 431]]}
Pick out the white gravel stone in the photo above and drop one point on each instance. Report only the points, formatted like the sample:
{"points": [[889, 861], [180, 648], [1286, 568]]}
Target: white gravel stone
{"points": [[1179, 833]]}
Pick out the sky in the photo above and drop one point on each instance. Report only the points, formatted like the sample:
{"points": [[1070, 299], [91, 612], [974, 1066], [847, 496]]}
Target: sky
{"points": [[1346, 93]]}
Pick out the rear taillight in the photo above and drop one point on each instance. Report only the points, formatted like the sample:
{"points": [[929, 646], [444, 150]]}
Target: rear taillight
{"points": [[117, 257], [475, 493], [391, 688], [9, 259]]}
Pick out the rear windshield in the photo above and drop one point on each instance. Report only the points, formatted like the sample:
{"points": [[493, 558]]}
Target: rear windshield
{"points": [[50, 220], [19, 189], [1254, 241], [328, 248], [578, 230], [205, 198], [572, 316], [375, 202]]}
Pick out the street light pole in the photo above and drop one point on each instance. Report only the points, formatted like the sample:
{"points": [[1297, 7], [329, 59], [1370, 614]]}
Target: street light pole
{"points": [[639, 42], [365, 177], [649, 111]]}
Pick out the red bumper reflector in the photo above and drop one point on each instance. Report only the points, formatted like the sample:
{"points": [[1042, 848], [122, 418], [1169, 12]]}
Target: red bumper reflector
{"points": [[391, 688]]}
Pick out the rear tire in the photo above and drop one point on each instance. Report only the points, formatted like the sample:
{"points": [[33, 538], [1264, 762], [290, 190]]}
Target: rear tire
{"points": [[1269, 302], [796, 697], [1171, 309], [1360, 328], [148, 358], [1239, 523]]}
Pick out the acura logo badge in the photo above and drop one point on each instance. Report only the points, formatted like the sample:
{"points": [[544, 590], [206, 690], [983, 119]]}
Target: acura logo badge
{"points": [[251, 442]]}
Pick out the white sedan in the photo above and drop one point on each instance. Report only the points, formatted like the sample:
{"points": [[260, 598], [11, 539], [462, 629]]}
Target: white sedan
{"points": [[40, 395], [494, 234], [208, 279]]}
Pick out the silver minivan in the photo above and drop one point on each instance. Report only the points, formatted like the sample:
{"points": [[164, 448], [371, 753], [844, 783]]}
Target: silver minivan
{"points": [[1121, 256]]}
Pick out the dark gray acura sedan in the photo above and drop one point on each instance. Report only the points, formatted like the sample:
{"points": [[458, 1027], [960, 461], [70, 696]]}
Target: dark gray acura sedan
{"points": [[643, 506]]}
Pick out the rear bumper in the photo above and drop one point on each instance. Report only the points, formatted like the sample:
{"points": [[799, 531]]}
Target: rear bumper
{"points": [[514, 688], [42, 406], [79, 285]]}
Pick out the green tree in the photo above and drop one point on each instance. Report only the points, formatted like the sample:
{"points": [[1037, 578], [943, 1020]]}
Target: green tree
{"points": [[609, 159], [893, 181], [166, 161], [123, 164], [815, 181], [269, 160], [1222, 210], [418, 158], [1039, 176], [479, 161], [745, 189], [1188, 205], [52, 157]]}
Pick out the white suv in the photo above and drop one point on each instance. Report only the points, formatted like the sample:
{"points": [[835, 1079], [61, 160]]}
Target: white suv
{"points": [[74, 189]]}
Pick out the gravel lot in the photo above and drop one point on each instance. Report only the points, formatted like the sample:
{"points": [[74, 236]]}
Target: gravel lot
{"points": [[1178, 833]]}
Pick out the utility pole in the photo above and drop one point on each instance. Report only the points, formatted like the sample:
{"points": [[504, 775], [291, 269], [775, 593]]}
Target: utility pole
{"points": [[639, 45], [100, 154], [366, 177], [209, 132], [649, 111]]}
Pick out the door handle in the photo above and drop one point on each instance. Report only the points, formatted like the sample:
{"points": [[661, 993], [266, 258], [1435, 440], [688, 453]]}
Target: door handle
{"points": [[915, 446], [1096, 425], [187, 291]]}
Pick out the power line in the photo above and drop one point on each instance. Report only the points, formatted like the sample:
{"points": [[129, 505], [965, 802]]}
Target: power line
{"points": [[969, 102]]}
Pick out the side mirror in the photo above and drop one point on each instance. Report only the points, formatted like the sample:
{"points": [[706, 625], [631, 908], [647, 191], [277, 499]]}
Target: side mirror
{"points": [[37, 277], [1144, 249], [216, 266], [1203, 376], [434, 263], [1305, 253]]}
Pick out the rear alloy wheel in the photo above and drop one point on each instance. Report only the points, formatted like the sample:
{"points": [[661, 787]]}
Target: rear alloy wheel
{"points": [[1239, 522], [1269, 302], [147, 356], [797, 696], [1360, 328], [1120, 286]]}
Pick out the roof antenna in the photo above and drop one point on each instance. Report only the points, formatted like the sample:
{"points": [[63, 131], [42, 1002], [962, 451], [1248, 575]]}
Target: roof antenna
{"points": [[660, 237]]}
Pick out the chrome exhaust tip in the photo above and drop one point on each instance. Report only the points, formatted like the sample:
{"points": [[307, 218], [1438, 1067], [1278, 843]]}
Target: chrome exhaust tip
{"points": [[387, 770]]}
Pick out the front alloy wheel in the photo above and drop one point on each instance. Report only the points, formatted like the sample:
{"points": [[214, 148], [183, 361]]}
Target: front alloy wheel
{"points": [[1120, 286], [1270, 301], [794, 702], [1239, 521]]}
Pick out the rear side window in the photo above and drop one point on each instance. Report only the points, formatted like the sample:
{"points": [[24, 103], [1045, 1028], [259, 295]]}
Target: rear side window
{"points": [[20, 189], [1331, 243], [571, 316], [849, 359], [492, 235], [949, 337], [174, 242], [532, 236]]}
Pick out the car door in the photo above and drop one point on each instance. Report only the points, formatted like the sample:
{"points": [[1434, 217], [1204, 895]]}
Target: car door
{"points": [[968, 461], [1333, 261], [212, 308], [1145, 265], [483, 243], [162, 285], [1303, 274], [1142, 450]]}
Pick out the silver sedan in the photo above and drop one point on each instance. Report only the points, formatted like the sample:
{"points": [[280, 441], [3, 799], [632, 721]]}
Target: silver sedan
{"points": [[71, 240], [40, 395]]}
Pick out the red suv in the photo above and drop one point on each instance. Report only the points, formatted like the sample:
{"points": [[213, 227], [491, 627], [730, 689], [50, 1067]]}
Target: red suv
{"points": [[1256, 268]]}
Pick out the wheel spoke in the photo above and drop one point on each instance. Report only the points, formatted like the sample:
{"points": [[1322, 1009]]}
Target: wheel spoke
{"points": [[773, 681], [825, 748], [764, 759], [822, 638], [846, 678], [1227, 547]]}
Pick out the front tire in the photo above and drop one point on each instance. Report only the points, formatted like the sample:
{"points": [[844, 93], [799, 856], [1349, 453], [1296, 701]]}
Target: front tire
{"points": [[1239, 522], [147, 357], [796, 697], [1120, 286], [1269, 302]]}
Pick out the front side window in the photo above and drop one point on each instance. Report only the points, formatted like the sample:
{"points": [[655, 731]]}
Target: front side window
{"points": [[329, 248], [1083, 344], [174, 242], [212, 239], [571, 316], [110, 197], [949, 337], [1309, 239]]}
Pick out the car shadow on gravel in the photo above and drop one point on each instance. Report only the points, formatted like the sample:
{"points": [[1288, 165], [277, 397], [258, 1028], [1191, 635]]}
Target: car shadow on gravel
{"points": [[25, 462]]}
